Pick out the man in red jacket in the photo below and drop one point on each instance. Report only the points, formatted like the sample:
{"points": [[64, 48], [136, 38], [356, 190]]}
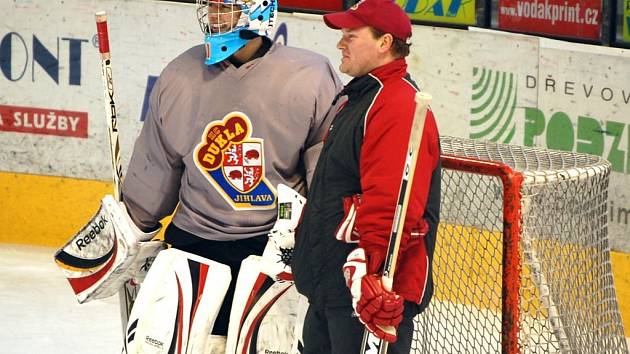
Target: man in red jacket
{"points": [[354, 192]]}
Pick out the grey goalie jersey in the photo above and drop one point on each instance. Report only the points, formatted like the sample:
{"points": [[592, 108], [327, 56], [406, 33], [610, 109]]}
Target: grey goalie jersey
{"points": [[218, 139]]}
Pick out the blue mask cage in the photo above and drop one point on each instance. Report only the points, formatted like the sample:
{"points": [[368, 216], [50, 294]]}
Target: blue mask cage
{"points": [[256, 16]]}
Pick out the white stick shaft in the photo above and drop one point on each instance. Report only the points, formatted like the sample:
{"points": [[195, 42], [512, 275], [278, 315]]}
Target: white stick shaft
{"points": [[413, 148], [110, 105]]}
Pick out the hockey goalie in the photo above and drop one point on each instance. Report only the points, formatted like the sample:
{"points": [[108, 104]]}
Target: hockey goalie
{"points": [[182, 293], [227, 121]]}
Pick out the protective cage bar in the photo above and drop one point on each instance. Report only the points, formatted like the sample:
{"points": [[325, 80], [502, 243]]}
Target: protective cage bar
{"points": [[522, 261]]}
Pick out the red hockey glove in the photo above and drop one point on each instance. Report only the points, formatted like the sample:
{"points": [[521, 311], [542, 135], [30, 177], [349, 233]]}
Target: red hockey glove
{"points": [[378, 305], [387, 334], [374, 305]]}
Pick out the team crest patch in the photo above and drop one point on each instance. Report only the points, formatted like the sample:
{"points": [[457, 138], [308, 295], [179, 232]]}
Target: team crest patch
{"points": [[233, 162]]}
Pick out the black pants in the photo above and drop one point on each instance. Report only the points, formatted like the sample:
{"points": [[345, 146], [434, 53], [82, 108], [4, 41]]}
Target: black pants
{"points": [[230, 253], [334, 330]]}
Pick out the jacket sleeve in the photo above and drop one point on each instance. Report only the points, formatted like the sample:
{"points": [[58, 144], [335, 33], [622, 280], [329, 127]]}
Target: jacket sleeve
{"points": [[151, 185], [383, 153], [323, 113]]}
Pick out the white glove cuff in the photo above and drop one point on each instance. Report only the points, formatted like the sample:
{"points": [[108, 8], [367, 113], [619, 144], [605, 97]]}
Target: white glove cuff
{"points": [[124, 222]]}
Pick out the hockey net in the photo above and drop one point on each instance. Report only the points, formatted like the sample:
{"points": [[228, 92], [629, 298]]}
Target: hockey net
{"points": [[522, 261]]}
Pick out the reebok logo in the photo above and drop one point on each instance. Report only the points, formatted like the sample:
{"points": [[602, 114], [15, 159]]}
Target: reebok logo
{"points": [[94, 230], [154, 342]]}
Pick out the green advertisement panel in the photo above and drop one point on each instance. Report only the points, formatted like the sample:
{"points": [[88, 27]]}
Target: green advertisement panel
{"points": [[445, 11], [626, 21]]}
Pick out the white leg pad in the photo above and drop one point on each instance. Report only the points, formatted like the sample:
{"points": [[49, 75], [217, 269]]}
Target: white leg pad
{"points": [[264, 313], [177, 305], [298, 342], [215, 344]]}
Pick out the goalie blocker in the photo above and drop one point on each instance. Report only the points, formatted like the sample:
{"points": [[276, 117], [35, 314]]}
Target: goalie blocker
{"points": [[107, 252]]}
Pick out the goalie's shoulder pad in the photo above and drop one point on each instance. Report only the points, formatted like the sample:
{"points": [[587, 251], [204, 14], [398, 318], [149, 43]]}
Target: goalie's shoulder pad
{"points": [[96, 260]]}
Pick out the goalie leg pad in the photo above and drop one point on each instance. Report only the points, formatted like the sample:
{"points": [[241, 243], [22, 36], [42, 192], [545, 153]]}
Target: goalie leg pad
{"points": [[97, 260], [215, 344], [264, 312], [177, 305], [147, 251]]}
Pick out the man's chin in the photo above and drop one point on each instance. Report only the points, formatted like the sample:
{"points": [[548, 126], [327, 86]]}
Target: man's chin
{"points": [[344, 68]]}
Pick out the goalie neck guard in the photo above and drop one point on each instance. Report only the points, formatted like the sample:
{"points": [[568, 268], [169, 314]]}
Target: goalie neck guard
{"points": [[224, 21]]}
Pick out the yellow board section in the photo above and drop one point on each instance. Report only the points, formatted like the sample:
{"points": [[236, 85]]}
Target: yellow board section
{"points": [[620, 266], [468, 260], [44, 210], [47, 211]]}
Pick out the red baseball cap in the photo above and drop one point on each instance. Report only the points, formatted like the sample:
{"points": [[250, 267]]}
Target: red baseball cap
{"points": [[383, 15]]}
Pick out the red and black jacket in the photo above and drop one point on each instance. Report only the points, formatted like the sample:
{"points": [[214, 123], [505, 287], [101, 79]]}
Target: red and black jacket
{"points": [[364, 153]]}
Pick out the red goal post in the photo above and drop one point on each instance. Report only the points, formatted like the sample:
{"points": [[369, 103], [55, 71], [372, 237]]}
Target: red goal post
{"points": [[512, 182], [522, 261]]}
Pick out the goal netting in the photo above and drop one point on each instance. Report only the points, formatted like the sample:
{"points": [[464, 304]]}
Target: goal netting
{"points": [[522, 260]]}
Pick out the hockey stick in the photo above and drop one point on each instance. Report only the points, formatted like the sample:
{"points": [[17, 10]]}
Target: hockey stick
{"points": [[110, 106], [371, 343], [129, 290]]}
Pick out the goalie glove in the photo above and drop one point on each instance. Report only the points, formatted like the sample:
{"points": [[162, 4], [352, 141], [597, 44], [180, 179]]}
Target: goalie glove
{"points": [[276, 261], [106, 252], [147, 248], [379, 309]]}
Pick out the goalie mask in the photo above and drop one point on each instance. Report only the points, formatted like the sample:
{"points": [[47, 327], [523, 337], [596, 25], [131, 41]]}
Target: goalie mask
{"points": [[226, 24]]}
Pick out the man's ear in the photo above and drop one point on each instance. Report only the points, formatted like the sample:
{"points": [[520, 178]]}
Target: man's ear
{"points": [[385, 42]]}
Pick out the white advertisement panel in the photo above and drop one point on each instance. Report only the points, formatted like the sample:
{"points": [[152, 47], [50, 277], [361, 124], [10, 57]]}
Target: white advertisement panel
{"points": [[584, 106], [51, 91], [489, 85]]}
